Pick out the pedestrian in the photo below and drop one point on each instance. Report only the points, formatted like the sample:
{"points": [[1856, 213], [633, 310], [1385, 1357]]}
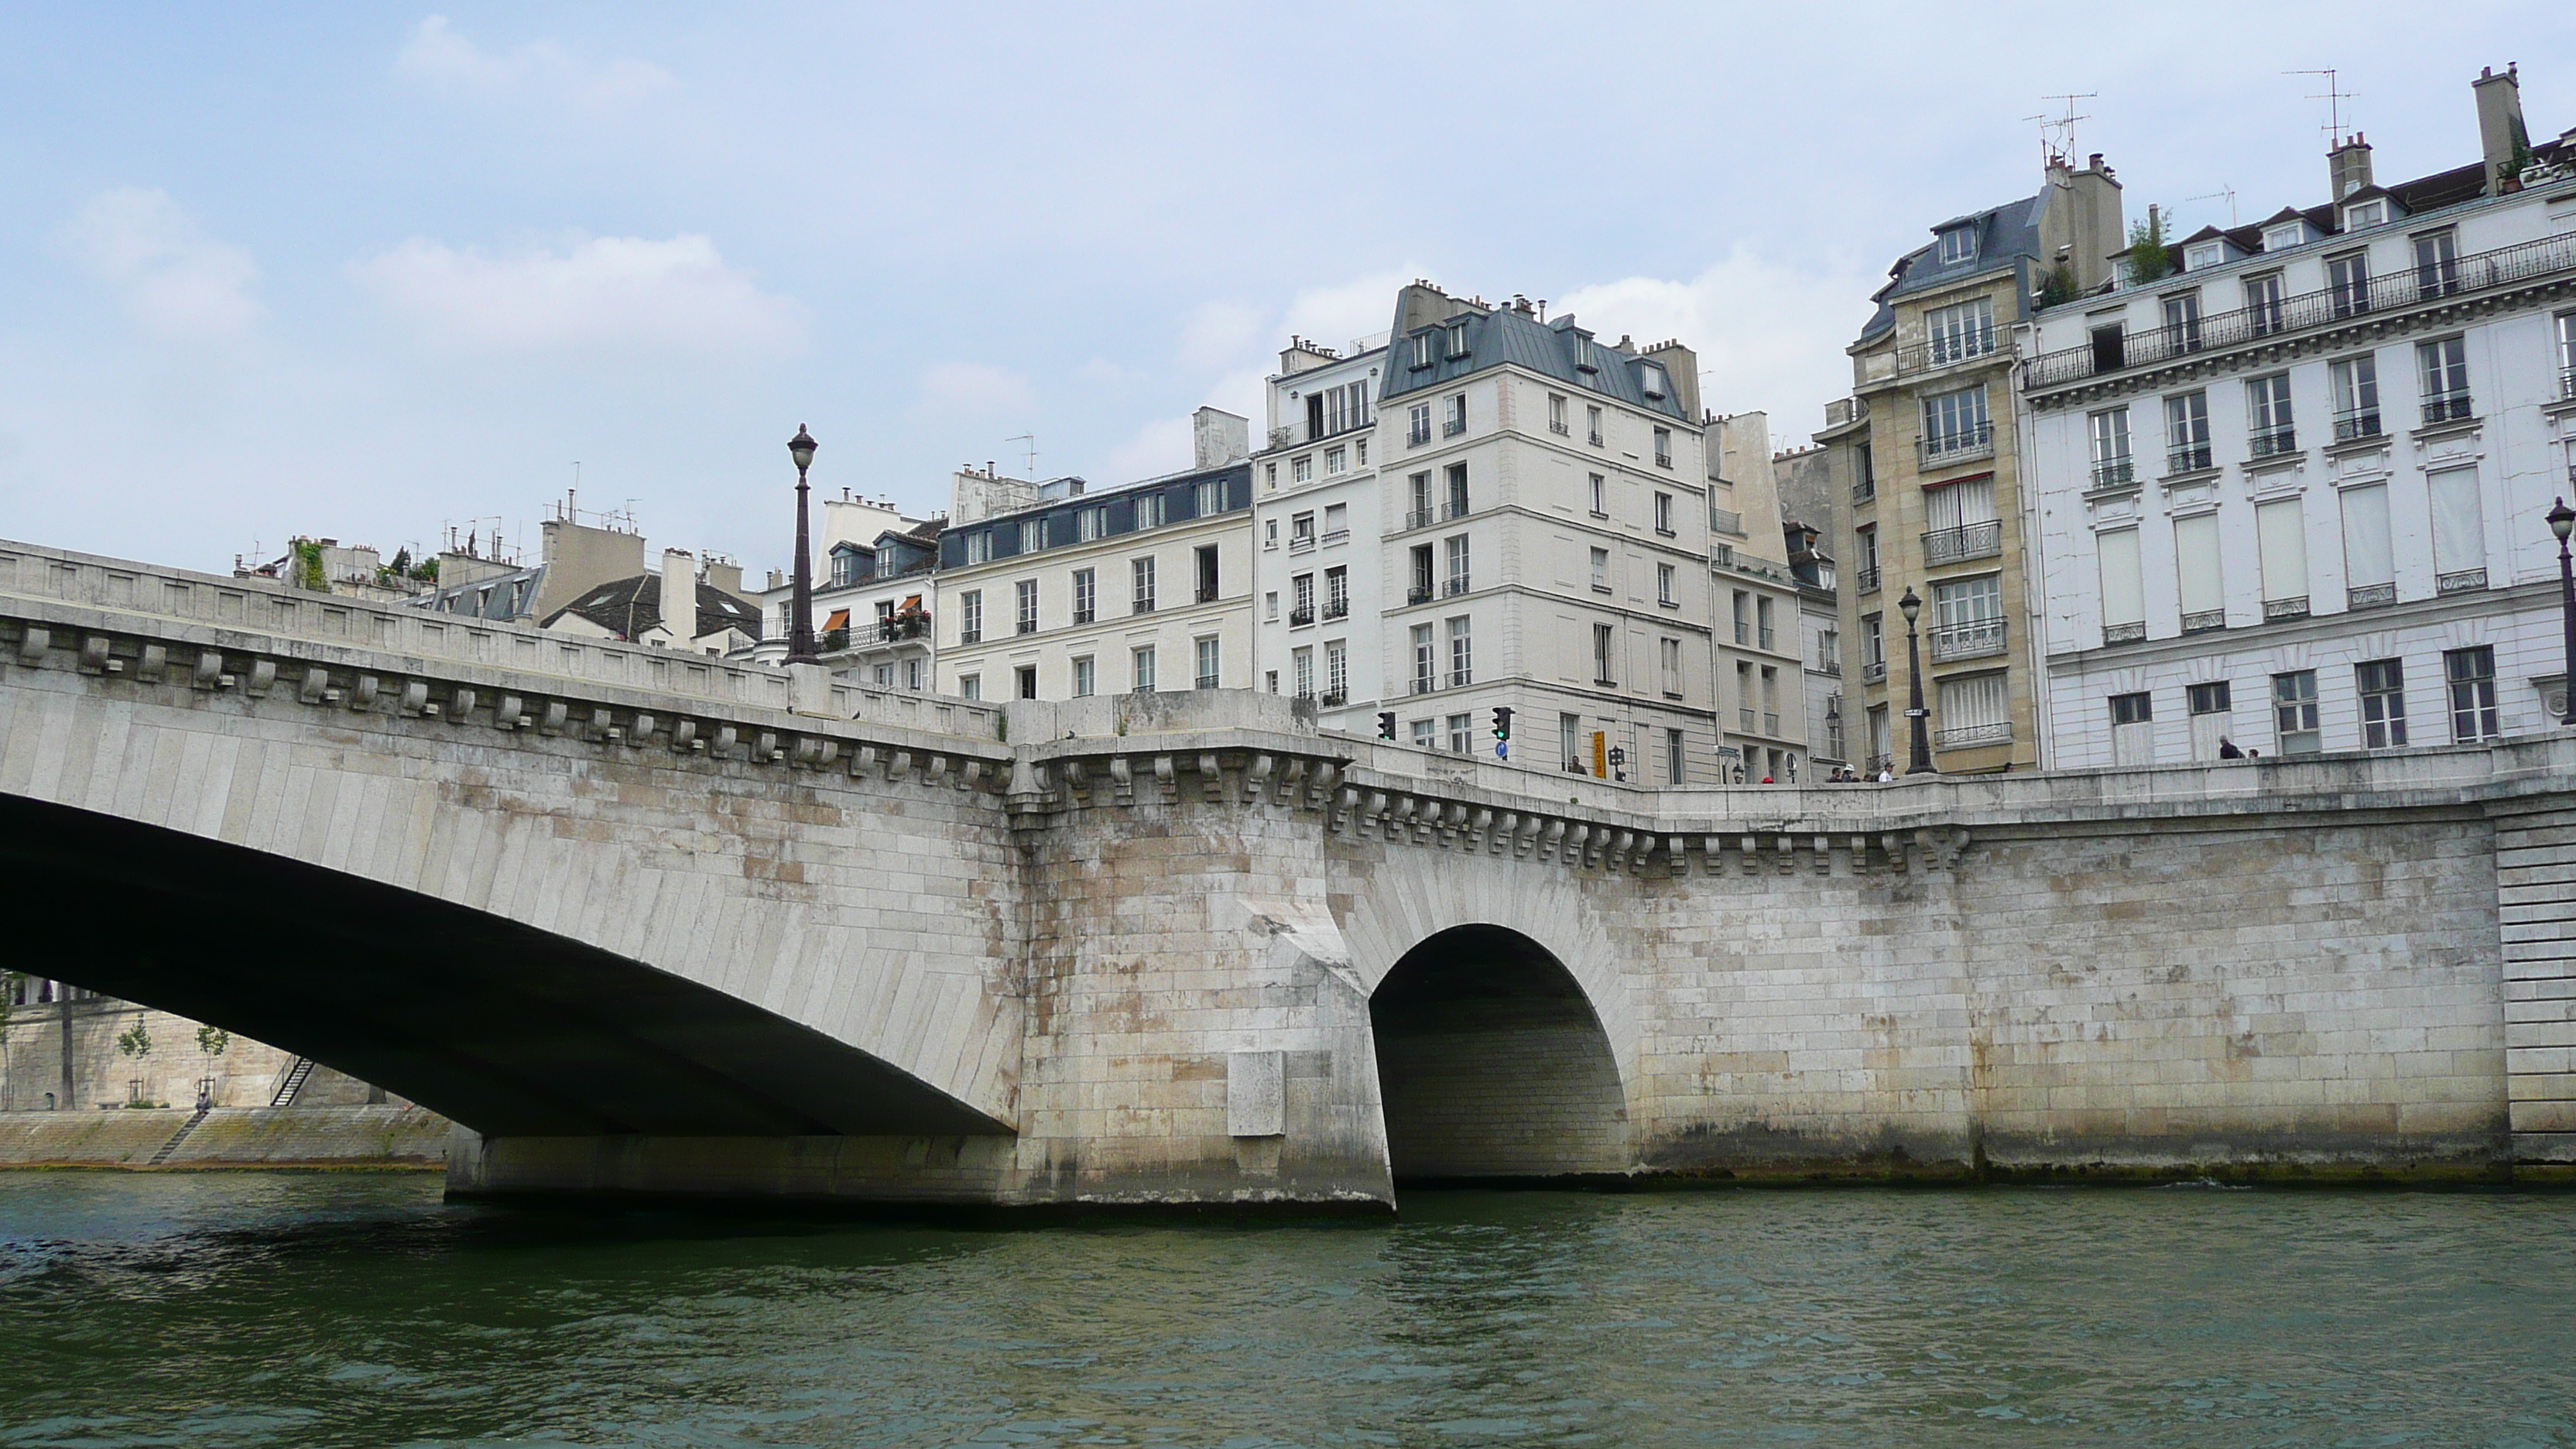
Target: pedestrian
{"points": [[1886, 775], [2227, 749]]}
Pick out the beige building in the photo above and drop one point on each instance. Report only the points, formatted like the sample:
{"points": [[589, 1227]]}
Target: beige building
{"points": [[1937, 506], [1760, 678], [1058, 591]]}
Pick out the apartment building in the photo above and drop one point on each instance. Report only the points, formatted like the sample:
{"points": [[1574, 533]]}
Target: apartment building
{"points": [[1316, 575], [2293, 480], [1543, 543], [1937, 494], [1058, 591], [1760, 677]]}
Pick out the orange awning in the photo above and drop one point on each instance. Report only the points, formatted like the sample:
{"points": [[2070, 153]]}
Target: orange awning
{"points": [[912, 602], [840, 619]]}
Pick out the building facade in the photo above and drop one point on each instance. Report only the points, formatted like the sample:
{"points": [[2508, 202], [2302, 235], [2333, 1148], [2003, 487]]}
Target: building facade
{"points": [[1937, 501], [1760, 677], [2292, 491], [1316, 575]]}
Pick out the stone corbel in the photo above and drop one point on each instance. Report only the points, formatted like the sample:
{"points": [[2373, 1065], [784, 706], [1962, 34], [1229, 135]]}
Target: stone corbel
{"points": [[935, 772], [1025, 796], [1525, 835], [460, 706], [1169, 786], [1712, 857], [1479, 822], [898, 765], [1787, 845], [415, 698], [93, 654], [971, 777], [1122, 779], [764, 747], [1859, 846], [1944, 846], [1749, 847], [1577, 849], [317, 683], [1211, 778], [809, 752], [1256, 778], [641, 732], [1894, 845], [153, 664], [724, 740], [363, 694], [32, 644], [1617, 857], [552, 722], [684, 736], [209, 672], [1550, 839], [1372, 810], [1292, 784], [1321, 784], [864, 759], [1824, 854], [1077, 783]]}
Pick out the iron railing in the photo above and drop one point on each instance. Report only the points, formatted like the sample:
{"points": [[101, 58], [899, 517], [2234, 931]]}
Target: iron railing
{"points": [[1873, 671], [1962, 737], [2114, 473], [2449, 407], [1452, 586], [1419, 518], [2502, 267], [2353, 427], [1932, 450], [1865, 491], [1972, 640], [2273, 444], [2187, 458], [1418, 594], [1865, 581], [1338, 608], [1967, 541], [1300, 618], [1948, 350]]}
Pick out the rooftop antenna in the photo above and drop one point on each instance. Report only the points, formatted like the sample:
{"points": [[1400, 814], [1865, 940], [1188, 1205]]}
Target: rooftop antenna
{"points": [[2224, 191], [2057, 133], [1032, 440], [2334, 98]]}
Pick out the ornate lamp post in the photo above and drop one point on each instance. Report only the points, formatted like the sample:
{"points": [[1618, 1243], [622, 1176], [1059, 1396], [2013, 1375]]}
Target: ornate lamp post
{"points": [[2562, 521], [800, 627], [1918, 718]]}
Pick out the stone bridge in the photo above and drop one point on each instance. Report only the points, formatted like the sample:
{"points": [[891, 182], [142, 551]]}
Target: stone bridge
{"points": [[644, 921]]}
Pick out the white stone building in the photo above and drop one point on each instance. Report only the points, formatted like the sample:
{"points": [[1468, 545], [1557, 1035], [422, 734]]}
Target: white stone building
{"points": [[1316, 577], [2292, 494], [1761, 677], [1060, 591]]}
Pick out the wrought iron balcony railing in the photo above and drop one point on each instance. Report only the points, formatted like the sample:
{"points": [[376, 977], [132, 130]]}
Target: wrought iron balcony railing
{"points": [[1975, 639], [1934, 450], [1967, 541]]}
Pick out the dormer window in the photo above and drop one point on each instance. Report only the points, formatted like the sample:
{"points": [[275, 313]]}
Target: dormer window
{"points": [[2284, 236], [1422, 349], [2365, 213], [1458, 339], [2203, 254], [1585, 359], [1958, 244], [1650, 376]]}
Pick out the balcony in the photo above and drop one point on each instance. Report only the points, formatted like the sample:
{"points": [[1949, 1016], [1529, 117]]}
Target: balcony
{"points": [[1865, 491], [2465, 581], [2355, 427], [1832, 667], [2567, 382], [2485, 271], [1725, 520], [1453, 427], [1425, 683], [1874, 672], [1454, 508], [970, 636], [1938, 450], [1300, 618], [1561, 428], [1947, 350], [2370, 596], [1083, 615], [1301, 543], [1663, 460], [1337, 609], [2187, 458], [2277, 610], [1417, 435], [1770, 640], [2114, 473], [1595, 439], [1976, 639], [1968, 737], [1336, 535], [2279, 442], [1865, 581], [1452, 586], [1967, 541], [1027, 626], [1418, 594], [2123, 633], [1419, 518], [2204, 621], [1461, 678], [1143, 606], [1743, 635], [1333, 699], [2449, 407], [1206, 594]]}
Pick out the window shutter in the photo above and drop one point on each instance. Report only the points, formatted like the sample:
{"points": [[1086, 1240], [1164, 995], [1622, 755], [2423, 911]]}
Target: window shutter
{"points": [[2124, 598], [2280, 528], [2459, 535], [2366, 558], [2196, 563]]}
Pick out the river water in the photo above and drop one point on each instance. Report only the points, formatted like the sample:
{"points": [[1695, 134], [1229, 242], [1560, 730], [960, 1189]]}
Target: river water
{"points": [[219, 1309]]}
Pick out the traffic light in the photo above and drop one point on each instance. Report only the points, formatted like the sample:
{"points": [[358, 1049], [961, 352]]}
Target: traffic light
{"points": [[1503, 723], [1386, 724]]}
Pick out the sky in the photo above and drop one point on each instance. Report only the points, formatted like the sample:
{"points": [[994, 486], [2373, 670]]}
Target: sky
{"points": [[372, 272]]}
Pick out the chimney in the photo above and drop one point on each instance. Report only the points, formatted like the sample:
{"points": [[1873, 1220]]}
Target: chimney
{"points": [[680, 596], [2500, 132], [724, 575], [2080, 220], [1218, 437], [2348, 167]]}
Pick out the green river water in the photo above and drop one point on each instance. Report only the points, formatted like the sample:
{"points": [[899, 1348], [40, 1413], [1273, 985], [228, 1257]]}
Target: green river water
{"points": [[220, 1309]]}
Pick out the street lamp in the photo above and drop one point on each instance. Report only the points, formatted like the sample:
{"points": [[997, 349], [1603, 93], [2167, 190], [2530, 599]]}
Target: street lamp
{"points": [[1920, 718], [2562, 521], [800, 627]]}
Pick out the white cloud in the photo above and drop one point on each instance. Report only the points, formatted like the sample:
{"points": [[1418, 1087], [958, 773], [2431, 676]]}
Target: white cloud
{"points": [[1217, 333], [440, 59], [1161, 446], [1353, 311], [1769, 336], [176, 280], [972, 389], [625, 293]]}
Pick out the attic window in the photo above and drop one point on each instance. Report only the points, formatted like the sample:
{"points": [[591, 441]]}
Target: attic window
{"points": [[2288, 234], [2203, 254], [2365, 213], [1584, 360], [1422, 349], [1650, 376], [1458, 339], [1958, 244]]}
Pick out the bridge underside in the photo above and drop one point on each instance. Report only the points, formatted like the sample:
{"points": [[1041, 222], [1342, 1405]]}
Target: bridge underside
{"points": [[508, 1030]]}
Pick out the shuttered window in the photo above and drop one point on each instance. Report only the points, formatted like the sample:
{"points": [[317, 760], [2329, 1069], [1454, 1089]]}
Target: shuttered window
{"points": [[2196, 565], [2459, 533], [2124, 597], [2280, 529], [2366, 557]]}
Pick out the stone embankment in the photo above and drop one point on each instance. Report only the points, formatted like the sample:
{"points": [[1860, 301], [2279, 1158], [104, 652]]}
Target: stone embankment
{"points": [[376, 1137]]}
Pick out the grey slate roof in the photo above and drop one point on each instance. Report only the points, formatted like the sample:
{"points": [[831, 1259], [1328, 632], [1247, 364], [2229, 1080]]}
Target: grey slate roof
{"points": [[628, 607], [1504, 335], [502, 596], [2003, 233]]}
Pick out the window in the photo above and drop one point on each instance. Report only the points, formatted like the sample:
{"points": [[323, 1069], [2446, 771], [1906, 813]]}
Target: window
{"points": [[1743, 605], [1664, 575], [1669, 652], [2182, 321], [2110, 433], [1866, 539], [1967, 604], [1422, 345], [1086, 595], [1301, 469], [1762, 618], [1269, 534], [1955, 422], [2471, 675], [1974, 711], [1142, 662], [2132, 708], [883, 677], [1457, 339], [1829, 650], [1026, 595], [1569, 744], [1359, 452], [2187, 432], [1592, 424], [1426, 660], [1143, 571], [2124, 597], [1269, 477], [1462, 654], [1032, 535], [1456, 549], [912, 674], [1663, 447], [1651, 380], [1337, 459], [1954, 334], [1461, 726], [1601, 660], [979, 546], [1028, 681], [2459, 534], [2437, 264], [2294, 712], [2196, 574], [2348, 283], [1673, 757], [1453, 417], [2444, 365], [970, 616], [1457, 490], [2263, 298], [1420, 513], [1958, 244], [1556, 422], [2567, 354], [1878, 736], [1301, 609], [1203, 565], [1086, 678], [1207, 498], [2355, 381], [1093, 523], [1600, 496], [970, 686], [1426, 734], [1337, 671], [1337, 592], [2382, 685], [1149, 510], [2369, 566], [2281, 543], [2200, 256], [2364, 213], [1664, 514], [2267, 410], [1270, 680], [1960, 521], [1208, 676], [2211, 706], [1270, 604], [1601, 571], [845, 567], [1337, 522], [1421, 590], [1417, 429], [2133, 736]]}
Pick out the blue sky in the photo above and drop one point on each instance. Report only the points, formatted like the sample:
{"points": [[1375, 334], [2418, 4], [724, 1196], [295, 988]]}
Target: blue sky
{"points": [[366, 271]]}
